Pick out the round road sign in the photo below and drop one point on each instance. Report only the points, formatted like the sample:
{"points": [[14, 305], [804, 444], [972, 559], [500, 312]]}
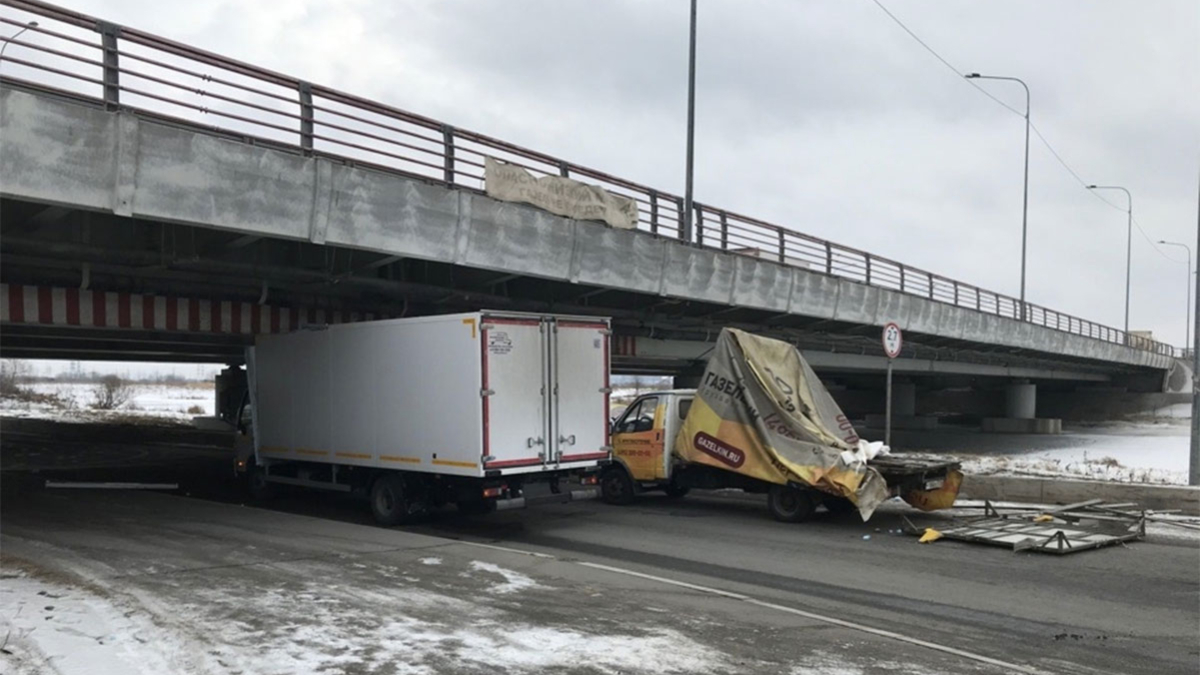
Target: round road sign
{"points": [[892, 340]]}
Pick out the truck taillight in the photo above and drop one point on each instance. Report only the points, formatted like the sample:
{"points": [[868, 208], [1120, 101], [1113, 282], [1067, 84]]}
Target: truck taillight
{"points": [[590, 479], [492, 492]]}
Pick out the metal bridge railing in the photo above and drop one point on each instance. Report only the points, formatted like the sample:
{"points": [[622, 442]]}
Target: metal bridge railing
{"points": [[129, 69]]}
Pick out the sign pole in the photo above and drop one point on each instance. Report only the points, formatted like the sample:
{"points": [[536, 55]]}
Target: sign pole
{"points": [[887, 415], [893, 340]]}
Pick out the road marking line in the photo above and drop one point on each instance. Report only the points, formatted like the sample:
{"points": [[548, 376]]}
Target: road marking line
{"points": [[825, 619], [533, 554], [673, 582]]}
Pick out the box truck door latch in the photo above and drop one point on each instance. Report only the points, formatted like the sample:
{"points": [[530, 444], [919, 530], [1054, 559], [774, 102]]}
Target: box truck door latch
{"points": [[532, 441], [487, 392], [567, 440]]}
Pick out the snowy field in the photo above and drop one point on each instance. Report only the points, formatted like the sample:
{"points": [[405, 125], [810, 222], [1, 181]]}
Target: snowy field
{"points": [[1128, 453], [73, 402]]}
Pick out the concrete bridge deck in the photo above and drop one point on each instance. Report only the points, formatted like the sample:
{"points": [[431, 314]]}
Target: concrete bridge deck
{"points": [[115, 185]]}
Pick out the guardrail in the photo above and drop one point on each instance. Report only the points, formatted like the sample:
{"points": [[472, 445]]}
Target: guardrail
{"points": [[129, 69]]}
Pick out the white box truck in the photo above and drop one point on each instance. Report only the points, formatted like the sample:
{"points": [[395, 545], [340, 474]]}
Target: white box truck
{"points": [[420, 412]]}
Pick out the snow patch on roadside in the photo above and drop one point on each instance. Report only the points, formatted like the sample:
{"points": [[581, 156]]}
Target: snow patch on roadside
{"points": [[513, 581], [431, 561], [539, 649], [317, 627], [1086, 468], [59, 629]]}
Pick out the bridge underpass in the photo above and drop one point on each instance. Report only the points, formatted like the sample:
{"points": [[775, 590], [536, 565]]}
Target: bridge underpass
{"points": [[233, 225]]}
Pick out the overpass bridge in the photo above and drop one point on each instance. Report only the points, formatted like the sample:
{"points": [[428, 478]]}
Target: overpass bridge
{"points": [[162, 202]]}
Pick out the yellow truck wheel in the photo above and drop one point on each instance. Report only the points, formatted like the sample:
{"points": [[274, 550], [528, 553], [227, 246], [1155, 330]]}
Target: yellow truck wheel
{"points": [[616, 486], [789, 504]]}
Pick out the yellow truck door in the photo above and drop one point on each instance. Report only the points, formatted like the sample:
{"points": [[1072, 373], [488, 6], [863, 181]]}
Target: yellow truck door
{"points": [[638, 436]]}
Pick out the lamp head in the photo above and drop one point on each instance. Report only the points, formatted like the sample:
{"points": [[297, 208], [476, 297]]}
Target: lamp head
{"points": [[971, 76]]}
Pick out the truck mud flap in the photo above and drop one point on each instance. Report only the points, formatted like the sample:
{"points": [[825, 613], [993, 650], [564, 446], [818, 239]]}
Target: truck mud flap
{"points": [[560, 498]]}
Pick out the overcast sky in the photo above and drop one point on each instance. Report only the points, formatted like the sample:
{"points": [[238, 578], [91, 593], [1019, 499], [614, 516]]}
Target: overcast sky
{"points": [[823, 115]]}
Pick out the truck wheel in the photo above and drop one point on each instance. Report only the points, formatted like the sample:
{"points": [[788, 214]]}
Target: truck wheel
{"points": [[389, 500], [838, 505], [789, 504], [675, 490], [261, 489], [616, 486]]}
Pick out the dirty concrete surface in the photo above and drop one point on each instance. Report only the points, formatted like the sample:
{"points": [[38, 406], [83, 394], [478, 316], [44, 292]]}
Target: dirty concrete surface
{"points": [[195, 581]]}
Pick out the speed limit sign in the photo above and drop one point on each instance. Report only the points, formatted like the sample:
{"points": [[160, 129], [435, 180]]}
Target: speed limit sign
{"points": [[892, 340]]}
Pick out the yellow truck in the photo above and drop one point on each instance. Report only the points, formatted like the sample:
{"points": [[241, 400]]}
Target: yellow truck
{"points": [[762, 422]]}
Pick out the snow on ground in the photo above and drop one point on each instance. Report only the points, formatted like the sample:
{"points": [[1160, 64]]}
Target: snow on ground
{"points": [[1081, 466], [1124, 452], [70, 401], [54, 629], [1142, 451], [312, 627]]}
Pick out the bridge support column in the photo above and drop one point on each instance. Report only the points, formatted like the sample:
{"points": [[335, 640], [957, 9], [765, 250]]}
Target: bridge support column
{"points": [[1020, 401], [904, 399], [1020, 408], [904, 410]]}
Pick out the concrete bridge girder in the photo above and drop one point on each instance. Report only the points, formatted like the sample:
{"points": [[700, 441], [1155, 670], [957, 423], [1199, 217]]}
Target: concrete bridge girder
{"points": [[678, 354], [63, 152]]}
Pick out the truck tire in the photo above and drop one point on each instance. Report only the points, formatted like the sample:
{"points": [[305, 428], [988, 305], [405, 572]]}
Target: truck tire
{"points": [[260, 488], [675, 490], [616, 486], [838, 506], [390, 500], [789, 504]]}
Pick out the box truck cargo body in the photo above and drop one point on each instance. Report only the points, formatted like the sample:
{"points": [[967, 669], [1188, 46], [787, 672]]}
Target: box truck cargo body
{"points": [[463, 407]]}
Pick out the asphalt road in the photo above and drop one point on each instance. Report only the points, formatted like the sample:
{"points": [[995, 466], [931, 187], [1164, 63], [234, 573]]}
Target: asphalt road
{"points": [[1132, 609]]}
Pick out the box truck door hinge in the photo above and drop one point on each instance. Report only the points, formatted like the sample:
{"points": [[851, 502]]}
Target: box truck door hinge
{"points": [[605, 390], [487, 392], [606, 448]]}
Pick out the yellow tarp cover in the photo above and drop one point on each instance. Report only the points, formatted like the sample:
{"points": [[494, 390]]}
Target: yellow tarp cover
{"points": [[761, 411]]}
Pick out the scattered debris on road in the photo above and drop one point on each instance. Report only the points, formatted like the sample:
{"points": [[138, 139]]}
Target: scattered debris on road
{"points": [[1064, 529]]}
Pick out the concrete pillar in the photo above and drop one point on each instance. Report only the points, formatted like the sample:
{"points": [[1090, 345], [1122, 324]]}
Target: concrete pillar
{"points": [[1021, 401], [904, 399]]}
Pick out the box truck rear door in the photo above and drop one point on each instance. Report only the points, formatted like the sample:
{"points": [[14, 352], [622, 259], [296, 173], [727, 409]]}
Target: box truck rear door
{"points": [[514, 382], [580, 374]]}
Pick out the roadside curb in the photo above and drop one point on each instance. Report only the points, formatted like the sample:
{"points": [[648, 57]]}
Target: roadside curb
{"points": [[1068, 491]]}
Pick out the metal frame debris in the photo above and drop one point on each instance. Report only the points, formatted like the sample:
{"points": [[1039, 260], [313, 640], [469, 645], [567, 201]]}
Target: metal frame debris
{"points": [[1070, 528]]}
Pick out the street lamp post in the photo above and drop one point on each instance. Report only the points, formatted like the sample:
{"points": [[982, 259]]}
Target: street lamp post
{"points": [[1128, 246], [1187, 340], [1025, 199], [686, 234], [7, 40]]}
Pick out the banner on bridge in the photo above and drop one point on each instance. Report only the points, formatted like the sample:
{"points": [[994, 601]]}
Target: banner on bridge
{"points": [[561, 196]]}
